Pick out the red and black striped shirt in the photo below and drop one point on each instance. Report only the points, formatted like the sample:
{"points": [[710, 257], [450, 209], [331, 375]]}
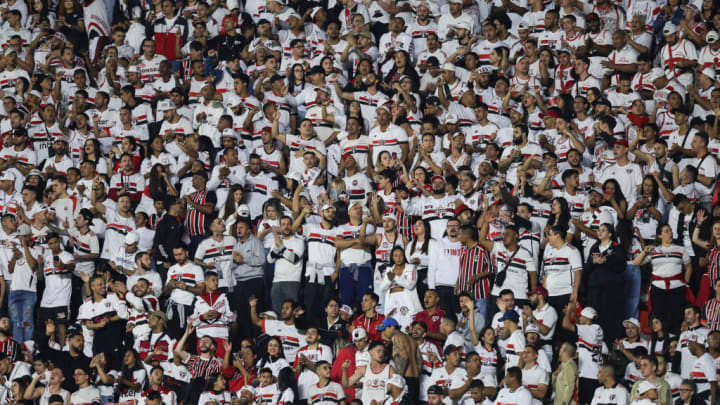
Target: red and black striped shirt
{"points": [[472, 262]]}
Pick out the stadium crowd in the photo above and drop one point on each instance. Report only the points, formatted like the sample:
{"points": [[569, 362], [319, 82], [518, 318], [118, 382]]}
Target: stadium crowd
{"points": [[461, 202]]}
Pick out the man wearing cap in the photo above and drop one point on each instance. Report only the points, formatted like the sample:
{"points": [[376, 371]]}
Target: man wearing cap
{"points": [[123, 260], [678, 56], [356, 354], [435, 395], [704, 371], [174, 127], [446, 22], [320, 270], [404, 354], [647, 393], [709, 53], [702, 93], [9, 197], [512, 337], [450, 370], [648, 369], [590, 341]]}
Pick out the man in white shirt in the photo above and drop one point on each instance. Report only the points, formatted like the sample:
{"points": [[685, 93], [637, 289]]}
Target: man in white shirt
{"points": [[629, 175]]}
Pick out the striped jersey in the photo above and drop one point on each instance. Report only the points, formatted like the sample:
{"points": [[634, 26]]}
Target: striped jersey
{"points": [[559, 266], [703, 373], [714, 265], [321, 244], [667, 266], [117, 227], [203, 368], [220, 253], [330, 394], [197, 222], [291, 339], [191, 274], [475, 261], [517, 264], [712, 314]]}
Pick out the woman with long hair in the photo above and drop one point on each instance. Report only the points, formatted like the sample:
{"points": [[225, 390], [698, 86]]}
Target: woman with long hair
{"points": [[71, 23], [92, 151], [235, 198], [266, 227], [559, 216], [402, 67], [273, 358], [418, 251], [647, 209], [604, 271], [158, 188], [156, 154], [215, 391], [287, 385], [487, 348], [671, 271], [615, 198], [398, 284], [132, 377], [129, 145], [659, 336], [296, 79]]}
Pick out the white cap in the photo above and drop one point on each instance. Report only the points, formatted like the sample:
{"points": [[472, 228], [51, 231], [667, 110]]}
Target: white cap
{"points": [[234, 100], [326, 206], [7, 175], [166, 105], [132, 238], [36, 93], [711, 37], [632, 321], [359, 333], [382, 107], [248, 388], [451, 119], [268, 314], [532, 328], [324, 89], [448, 66], [314, 11], [646, 386], [133, 69], [346, 309], [455, 1], [23, 230], [397, 380], [523, 26], [243, 210], [589, 312], [669, 28], [462, 24], [518, 108], [700, 338], [230, 133], [709, 72]]}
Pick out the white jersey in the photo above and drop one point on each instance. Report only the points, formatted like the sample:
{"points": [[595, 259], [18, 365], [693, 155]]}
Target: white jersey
{"points": [[375, 384], [58, 282], [533, 378], [589, 344], [519, 396], [191, 274], [616, 394], [559, 267]]}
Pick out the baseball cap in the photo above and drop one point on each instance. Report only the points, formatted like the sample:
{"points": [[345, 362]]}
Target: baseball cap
{"points": [[166, 105], [268, 314], [451, 119], [386, 323], [669, 28], [539, 290], [682, 110], [523, 26], [10, 50], [711, 37], [359, 333], [243, 210], [700, 338], [346, 309], [397, 380], [435, 389], [383, 108], [248, 388], [592, 16], [621, 142], [709, 72], [603, 101], [645, 386], [132, 238], [532, 328], [631, 321], [234, 100], [451, 348], [133, 69], [326, 206], [460, 208], [488, 380], [510, 315], [23, 230], [230, 133], [432, 100], [390, 214], [518, 108], [324, 89], [589, 312], [448, 66], [463, 25], [9, 176]]}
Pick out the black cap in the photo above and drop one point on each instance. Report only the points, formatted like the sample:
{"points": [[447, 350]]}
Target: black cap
{"points": [[20, 132], [592, 16], [435, 389], [73, 331], [432, 100], [603, 101], [202, 174], [450, 348], [316, 70]]}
